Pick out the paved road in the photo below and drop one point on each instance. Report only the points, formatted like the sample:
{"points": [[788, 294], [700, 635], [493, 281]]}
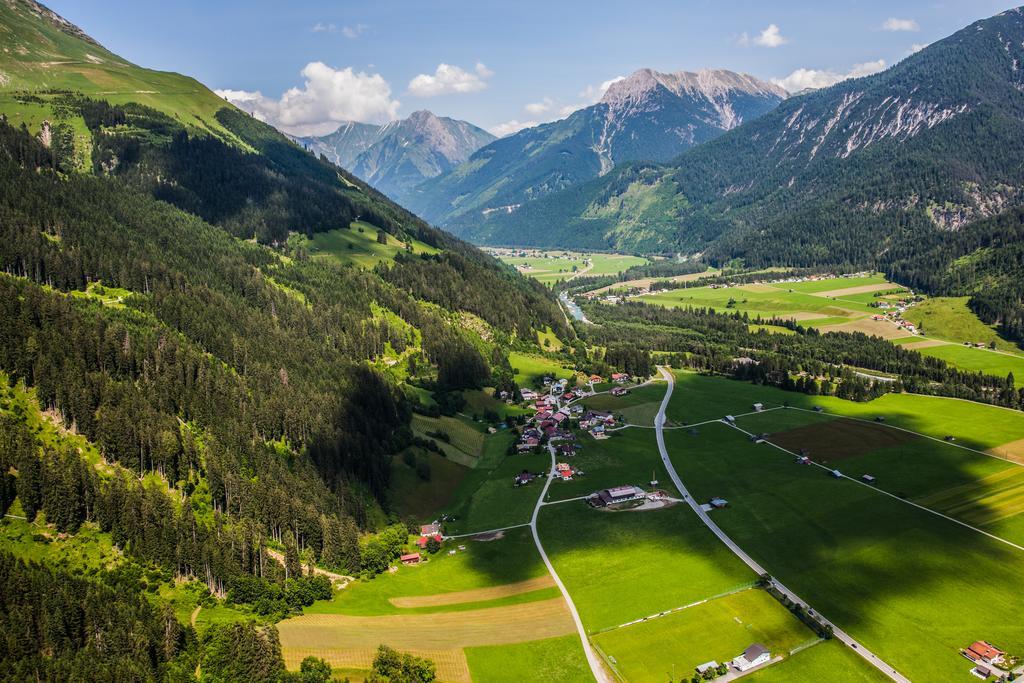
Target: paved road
{"points": [[840, 635], [596, 665]]}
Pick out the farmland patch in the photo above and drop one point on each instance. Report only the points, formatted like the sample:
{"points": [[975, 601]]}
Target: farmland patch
{"points": [[839, 439]]}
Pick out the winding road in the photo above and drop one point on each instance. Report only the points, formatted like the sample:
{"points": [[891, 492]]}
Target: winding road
{"points": [[840, 635], [596, 666]]}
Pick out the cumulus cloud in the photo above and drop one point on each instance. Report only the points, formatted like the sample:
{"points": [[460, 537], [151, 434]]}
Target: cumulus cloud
{"points": [[327, 98], [895, 24], [539, 108], [320, 27], [802, 79], [770, 37], [917, 47], [593, 93], [510, 127], [448, 79]]}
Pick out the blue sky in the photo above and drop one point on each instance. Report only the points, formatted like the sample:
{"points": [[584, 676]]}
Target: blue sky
{"points": [[498, 65]]}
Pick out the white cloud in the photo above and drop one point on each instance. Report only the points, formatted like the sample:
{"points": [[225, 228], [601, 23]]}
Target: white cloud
{"points": [[770, 37], [593, 93], [320, 27], [354, 31], [801, 79], [510, 127], [894, 24], [328, 98], [448, 79], [917, 47], [538, 108]]}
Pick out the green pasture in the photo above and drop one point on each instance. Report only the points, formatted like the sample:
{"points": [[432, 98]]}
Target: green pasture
{"points": [[700, 397], [827, 661], [465, 441], [621, 566], [550, 267], [638, 407], [482, 565], [951, 319], [674, 645], [486, 498], [358, 246], [816, 286], [530, 368], [979, 360], [912, 586], [411, 495], [554, 660]]}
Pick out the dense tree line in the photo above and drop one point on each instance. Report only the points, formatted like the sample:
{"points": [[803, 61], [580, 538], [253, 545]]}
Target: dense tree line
{"points": [[806, 361]]}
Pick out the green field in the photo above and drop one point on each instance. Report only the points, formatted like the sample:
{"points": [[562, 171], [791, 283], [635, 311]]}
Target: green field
{"points": [[551, 267], [530, 368], [779, 300], [621, 566], [949, 318], [465, 441], [638, 407], [979, 360], [699, 397], [980, 490], [828, 661], [486, 498], [887, 572], [667, 647], [358, 246], [412, 495], [482, 565], [558, 660]]}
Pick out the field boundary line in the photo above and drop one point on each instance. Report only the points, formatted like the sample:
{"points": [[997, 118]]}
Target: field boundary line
{"points": [[886, 493], [564, 500], [806, 645], [745, 587], [489, 531], [611, 665], [911, 431]]}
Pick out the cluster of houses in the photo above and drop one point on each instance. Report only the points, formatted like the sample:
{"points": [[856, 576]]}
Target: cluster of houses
{"points": [[597, 422], [987, 658]]}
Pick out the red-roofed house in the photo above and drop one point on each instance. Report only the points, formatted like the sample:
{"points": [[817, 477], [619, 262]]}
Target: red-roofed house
{"points": [[422, 540], [981, 651], [410, 558]]}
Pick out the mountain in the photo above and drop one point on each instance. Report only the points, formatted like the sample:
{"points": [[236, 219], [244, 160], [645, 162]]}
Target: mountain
{"points": [[211, 344], [649, 115], [874, 171], [399, 155]]}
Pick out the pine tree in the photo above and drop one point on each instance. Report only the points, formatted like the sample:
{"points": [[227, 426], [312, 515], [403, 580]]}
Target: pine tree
{"points": [[292, 563]]}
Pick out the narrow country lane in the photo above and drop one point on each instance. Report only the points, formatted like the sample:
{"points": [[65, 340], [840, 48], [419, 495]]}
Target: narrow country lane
{"points": [[596, 665], [840, 635]]}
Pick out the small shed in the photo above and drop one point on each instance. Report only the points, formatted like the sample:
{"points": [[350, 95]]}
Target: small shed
{"points": [[707, 666], [730, 419], [837, 474], [410, 558], [719, 502], [758, 407], [868, 478]]}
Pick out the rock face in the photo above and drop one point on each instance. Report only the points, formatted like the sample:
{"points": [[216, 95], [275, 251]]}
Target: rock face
{"points": [[647, 116], [399, 155]]}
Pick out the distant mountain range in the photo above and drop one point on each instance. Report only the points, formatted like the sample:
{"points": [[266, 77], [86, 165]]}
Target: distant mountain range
{"points": [[841, 174], [649, 115], [399, 155]]}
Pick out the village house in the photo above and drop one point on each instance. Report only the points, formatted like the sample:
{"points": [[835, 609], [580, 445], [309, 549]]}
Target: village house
{"points": [[619, 391], [522, 479], [755, 655], [982, 651], [410, 558], [528, 394], [596, 379], [620, 377], [707, 666], [423, 540], [616, 495], [430, 529]]}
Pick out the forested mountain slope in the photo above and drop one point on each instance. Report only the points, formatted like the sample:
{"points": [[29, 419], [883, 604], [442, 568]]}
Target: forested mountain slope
{"points": [[158, 301], [649, 115], [399, 155]]}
